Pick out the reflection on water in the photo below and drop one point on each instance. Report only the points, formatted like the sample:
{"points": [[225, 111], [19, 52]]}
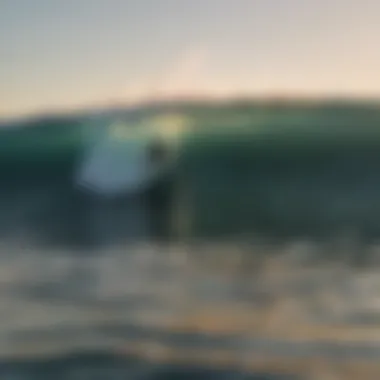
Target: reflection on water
{"points": [[211, 305]]}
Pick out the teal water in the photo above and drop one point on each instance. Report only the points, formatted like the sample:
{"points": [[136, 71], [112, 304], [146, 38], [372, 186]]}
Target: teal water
{"points": [[295, 182]]}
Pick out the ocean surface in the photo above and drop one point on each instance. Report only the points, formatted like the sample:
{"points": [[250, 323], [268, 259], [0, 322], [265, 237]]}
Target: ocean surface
{"points": [[211, 274]]}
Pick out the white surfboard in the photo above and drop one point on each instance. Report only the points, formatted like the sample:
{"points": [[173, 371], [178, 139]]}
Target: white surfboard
{"points": [[121, 158]]}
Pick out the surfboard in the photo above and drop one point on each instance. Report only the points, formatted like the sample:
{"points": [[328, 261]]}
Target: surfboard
{"points": [[121, 157]]}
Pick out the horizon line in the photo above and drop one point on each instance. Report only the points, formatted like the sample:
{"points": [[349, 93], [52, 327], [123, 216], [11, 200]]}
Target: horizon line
{"points": [[104, 106]]}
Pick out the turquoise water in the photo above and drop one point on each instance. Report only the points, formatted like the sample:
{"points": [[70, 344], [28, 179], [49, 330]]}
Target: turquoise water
{"points": [[291, 180]]}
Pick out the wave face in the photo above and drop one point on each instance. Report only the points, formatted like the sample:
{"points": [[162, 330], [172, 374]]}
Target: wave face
{"points": [[302, 174]]}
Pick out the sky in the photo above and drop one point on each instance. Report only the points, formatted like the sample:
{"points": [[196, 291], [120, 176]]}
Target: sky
{"points": [[65, 54]]}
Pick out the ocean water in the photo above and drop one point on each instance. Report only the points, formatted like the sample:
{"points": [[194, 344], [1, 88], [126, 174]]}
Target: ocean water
{"points": [[182, 281]]}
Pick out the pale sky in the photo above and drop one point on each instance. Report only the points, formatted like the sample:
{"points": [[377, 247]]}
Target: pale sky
{"points": [[57, 54]]}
